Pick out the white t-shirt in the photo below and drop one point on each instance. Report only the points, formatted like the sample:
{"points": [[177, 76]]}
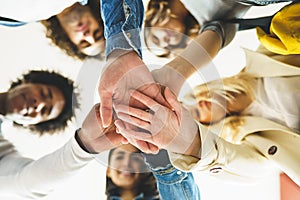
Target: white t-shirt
{"points": [[204, 10], [277, 99], [33, 10]]}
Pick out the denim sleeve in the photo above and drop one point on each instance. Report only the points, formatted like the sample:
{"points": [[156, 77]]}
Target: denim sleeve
{"points": [[176, 184], [122, 24]]}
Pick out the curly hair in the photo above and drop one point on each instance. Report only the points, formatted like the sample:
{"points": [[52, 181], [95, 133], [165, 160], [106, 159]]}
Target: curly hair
{"points": [[58, 36], [147, 184], [159, 12], [68, 90]]}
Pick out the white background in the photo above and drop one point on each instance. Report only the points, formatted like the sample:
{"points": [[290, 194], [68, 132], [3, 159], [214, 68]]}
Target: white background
{"points": [[26, 48]]}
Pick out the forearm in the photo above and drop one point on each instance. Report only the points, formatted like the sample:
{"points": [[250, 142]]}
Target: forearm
{"points": [[223, 159], [171, 181], [177, 184], [201, 51], [28, 178], [122, 23], [196, 55]]}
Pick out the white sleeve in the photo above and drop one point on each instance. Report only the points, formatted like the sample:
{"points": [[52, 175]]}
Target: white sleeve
{"points": [[32, 10], [223, 159], [32, 179]]}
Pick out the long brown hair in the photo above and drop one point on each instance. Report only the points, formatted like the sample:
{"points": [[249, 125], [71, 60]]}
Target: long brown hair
{"points": [[58, 36], [147, 184]]}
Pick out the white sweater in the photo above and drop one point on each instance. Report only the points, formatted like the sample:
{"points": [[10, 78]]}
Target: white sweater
{"points": [[31, 179]]}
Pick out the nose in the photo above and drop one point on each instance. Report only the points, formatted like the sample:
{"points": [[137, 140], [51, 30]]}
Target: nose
{"points": [[127, 161], [164, 39]]}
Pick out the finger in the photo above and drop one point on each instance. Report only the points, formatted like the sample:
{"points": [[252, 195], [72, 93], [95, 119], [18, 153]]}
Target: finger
{"points": [[135, 112], [172, 100], [146, 147], [106, 111], [97, 112], [153, 148], [124, 141], [134, 121], [129, 133], [147, 101]]}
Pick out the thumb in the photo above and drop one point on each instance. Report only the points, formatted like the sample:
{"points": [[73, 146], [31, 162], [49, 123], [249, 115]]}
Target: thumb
{"points": [[173, 102], [106, 111]]}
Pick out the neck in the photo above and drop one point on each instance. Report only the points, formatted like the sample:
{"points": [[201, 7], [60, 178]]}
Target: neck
{"points": [[128, 194], [3, 103]]}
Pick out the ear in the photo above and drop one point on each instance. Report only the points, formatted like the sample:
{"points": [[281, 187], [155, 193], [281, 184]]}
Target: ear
{"points": [[108, 172]]}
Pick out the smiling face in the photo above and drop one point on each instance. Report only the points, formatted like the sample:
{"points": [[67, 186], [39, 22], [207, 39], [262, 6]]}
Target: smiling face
{"points": [[83, 29], [126, 163], [32, 103], [166, 36]]}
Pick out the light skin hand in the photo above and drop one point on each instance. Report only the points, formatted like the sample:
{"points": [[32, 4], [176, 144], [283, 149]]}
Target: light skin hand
{"points": [[164, 128], [121, 74], [200, 51], [94, 137]]}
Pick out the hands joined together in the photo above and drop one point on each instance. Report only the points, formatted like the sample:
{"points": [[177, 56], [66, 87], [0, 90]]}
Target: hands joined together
{"points": [[137, 110]]}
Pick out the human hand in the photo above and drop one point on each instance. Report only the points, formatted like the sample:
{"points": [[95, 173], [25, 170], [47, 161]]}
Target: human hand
{"points": [[94, 137], [173, 130], [121, 74], [169, 77]]}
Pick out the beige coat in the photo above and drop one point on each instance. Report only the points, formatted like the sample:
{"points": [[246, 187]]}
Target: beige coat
{"points": [[259, 143]]}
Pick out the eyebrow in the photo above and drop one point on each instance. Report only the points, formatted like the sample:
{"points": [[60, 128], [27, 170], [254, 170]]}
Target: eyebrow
{"points": [[121, 152]]}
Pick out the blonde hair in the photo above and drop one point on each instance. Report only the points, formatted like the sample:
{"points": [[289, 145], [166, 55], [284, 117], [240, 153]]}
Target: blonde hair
{"points": [[227, 88]]}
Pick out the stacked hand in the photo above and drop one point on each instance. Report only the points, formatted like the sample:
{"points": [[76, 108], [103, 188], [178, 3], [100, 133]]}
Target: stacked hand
{"points": [[144, 117], [94, 137], [121, 74], [159, 126]]}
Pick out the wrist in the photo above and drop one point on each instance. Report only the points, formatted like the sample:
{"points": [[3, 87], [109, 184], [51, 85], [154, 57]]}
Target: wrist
{"points": [[80, 142], [195, 146], [170, 78]]}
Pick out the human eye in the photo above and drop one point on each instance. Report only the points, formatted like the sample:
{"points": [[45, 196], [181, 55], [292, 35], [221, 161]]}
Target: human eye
{"points": [[98, 34], [137, 158], [119, 157], [155, 40]]}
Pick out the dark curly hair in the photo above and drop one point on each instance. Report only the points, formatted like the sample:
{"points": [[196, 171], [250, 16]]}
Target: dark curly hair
{"points": [[67, 88], [159, 12], [147, 184], [58, 36]]}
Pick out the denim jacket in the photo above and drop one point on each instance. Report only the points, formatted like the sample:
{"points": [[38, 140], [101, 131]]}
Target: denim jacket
{"points": [[175, 184], [123, 20]]}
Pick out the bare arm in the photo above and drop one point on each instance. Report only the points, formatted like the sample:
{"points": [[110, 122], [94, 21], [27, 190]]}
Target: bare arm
{"points": [[196, 55]]}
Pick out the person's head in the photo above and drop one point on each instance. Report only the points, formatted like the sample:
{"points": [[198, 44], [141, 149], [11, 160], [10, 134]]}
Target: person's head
{"points": [[168, 26], [42, 101], [78, 30], [127, 171], [220, 98]]}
